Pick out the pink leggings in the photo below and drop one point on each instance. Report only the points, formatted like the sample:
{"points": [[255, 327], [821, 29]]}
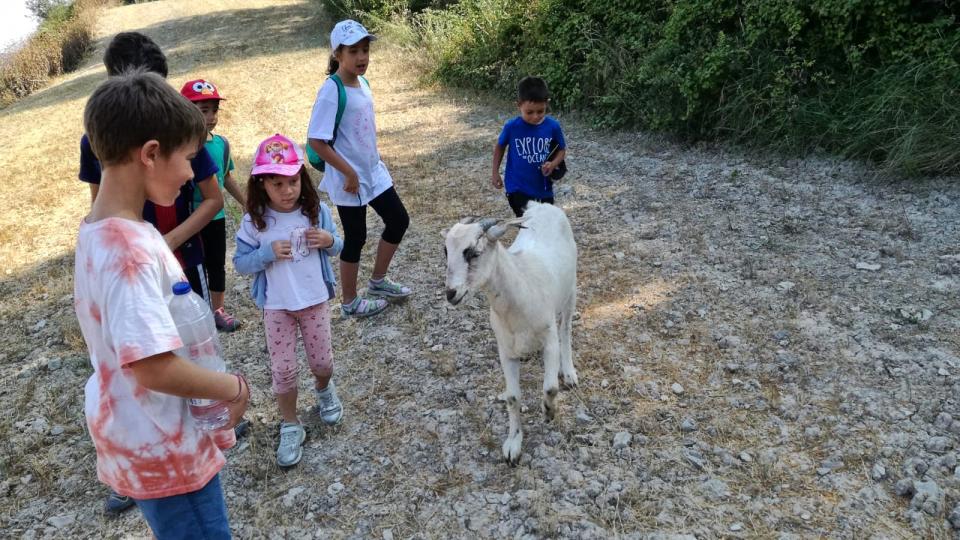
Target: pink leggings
{"points": [[281, 329]]}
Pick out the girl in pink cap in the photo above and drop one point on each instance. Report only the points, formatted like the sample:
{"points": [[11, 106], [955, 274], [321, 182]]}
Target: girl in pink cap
{"points": [[285, 240]]}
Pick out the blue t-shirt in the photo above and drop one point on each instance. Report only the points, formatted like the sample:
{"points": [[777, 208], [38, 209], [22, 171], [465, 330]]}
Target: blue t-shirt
{"points": [[190, 253], [527, 148]]}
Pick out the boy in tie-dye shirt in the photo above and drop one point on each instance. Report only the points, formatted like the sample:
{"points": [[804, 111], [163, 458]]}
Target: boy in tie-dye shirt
{"points": [[148, 446]]}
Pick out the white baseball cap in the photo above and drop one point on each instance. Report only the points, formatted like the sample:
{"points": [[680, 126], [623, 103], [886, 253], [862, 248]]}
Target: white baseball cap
{"points": [[348, 32]]}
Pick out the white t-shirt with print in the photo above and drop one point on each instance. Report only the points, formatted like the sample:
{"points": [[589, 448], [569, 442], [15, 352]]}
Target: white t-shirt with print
{"points": [[291, 284], [356, 143], [147, 443]]}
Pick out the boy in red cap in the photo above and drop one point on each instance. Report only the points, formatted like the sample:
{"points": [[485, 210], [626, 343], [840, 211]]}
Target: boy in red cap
{"points": [[205, 95]]}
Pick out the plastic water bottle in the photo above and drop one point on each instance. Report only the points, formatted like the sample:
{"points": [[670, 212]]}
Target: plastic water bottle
{"points": [[201, 346]]}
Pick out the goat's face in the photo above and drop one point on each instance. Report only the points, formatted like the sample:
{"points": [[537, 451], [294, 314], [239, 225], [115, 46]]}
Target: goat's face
{"points": [[467, 249]]}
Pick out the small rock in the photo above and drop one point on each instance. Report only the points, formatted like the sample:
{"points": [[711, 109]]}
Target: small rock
{"points": [[622, 440], [715, 489], [785, 286], [695, 458], [582, 416], [745, 457], [904, 487], [290, 496], [878, 472], [618, 255], [688, 425], [871, 267], [387, 534], [61, 521], [437, 347], [335, 489], [39, 326], [677, 388], [729, 342], [805, 516], [928, 498], [781, 335], [736, 527], [57, 430], [54, 364], [811, 432], [955, 517], [938, 445]]}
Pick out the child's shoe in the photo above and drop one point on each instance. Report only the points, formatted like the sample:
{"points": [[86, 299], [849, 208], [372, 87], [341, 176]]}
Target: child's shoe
{"points": [[387, 289], [116, 503], [225, 321], [363, 307], [329, 406], [290, 449]]}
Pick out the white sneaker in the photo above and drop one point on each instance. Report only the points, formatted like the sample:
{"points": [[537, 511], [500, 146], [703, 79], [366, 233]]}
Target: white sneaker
{"points": [[329, 406], [290, 449]]}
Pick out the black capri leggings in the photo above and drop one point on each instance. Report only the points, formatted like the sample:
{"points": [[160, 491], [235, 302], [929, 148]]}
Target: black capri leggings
{"points": [[354, 221], [214, 237]]}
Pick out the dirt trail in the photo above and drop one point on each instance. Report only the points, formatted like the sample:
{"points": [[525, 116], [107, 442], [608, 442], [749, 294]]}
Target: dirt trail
{"points": [[766, 347]]}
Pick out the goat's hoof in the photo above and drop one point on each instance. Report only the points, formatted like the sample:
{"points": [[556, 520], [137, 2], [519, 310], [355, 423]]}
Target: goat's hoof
{"points": [[568, 380], [549, 411], [511, 449]]}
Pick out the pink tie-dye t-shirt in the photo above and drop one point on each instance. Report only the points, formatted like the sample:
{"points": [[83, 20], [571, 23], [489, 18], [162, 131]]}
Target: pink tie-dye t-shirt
{"points": [[148, 445]]}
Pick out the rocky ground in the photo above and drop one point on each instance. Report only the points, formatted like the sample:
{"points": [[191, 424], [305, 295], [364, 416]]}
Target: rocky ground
{"points": [[767, 348]]}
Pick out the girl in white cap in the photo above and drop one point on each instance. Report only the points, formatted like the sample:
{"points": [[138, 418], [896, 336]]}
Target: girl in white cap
{"points": [[285, 240], [355, 177]]}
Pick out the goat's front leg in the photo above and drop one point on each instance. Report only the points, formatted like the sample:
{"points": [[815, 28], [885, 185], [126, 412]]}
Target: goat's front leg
{"points": [[551, 370], [511, 374]]}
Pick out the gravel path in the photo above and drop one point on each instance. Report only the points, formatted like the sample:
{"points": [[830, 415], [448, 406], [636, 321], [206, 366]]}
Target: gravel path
{"points": [[766, 348]]}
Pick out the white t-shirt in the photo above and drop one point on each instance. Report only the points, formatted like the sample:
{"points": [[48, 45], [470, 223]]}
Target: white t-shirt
{"points": [[291, 284], [147, 443], [356, 143]]}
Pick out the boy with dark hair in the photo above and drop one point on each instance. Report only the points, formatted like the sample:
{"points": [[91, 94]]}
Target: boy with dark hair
{"points": [[148, 445], [181, 222], [133, 50], [534, 145]]}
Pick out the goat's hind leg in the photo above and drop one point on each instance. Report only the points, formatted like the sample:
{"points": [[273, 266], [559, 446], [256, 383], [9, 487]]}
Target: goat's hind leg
{"points": [[568, 374], [551, 369], [514, 440]]}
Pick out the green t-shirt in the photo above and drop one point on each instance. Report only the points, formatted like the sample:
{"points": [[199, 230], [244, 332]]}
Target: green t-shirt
{"points": [[216, 146]]}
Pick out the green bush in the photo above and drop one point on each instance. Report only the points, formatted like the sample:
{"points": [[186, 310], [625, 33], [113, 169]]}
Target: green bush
{"points": [[875, 79]]}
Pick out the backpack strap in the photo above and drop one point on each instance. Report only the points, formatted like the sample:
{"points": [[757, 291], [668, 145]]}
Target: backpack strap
{"points": [[341, 104]]}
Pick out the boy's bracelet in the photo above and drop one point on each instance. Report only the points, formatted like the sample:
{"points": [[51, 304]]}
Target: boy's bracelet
{"points": [[241, 380]]}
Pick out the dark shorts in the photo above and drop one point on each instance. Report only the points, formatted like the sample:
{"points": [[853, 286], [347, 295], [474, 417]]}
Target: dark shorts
{"points": [[518, 201]]}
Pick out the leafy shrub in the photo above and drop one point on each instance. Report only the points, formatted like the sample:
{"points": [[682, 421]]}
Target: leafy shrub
{"points": [[58, 46], [874, 79]]}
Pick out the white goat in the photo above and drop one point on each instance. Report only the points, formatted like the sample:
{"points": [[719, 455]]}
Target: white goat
{"points": [[530, 286]]}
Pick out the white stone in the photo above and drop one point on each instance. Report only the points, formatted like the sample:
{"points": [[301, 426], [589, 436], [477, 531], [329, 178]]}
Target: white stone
{"points": [[871, 267]]}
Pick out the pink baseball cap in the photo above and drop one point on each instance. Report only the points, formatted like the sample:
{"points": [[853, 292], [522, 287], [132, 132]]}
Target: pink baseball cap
{"points": [[277, 155]]}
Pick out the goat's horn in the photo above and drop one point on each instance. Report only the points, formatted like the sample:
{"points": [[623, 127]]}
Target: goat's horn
{"points": [[486, 223]]}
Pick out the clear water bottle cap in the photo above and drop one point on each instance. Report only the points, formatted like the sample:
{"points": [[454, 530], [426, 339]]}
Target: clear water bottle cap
{"points": [[181, 288]]}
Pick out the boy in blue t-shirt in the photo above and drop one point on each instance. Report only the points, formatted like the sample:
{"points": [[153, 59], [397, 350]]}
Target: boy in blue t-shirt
{"points": [[535, 146]]}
